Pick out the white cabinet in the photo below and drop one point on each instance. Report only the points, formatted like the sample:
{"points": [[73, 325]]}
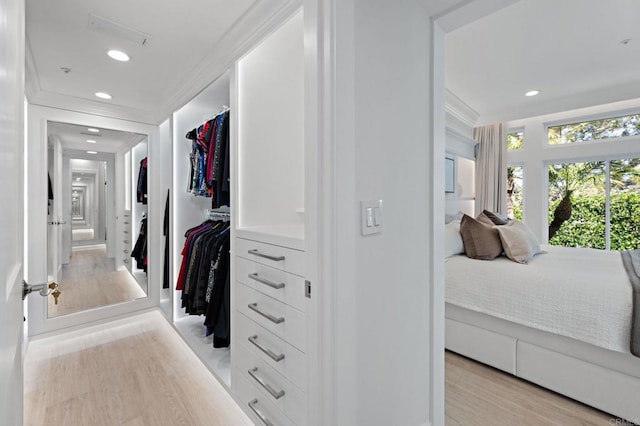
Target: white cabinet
{"points": [[270, 326], [270, 304]]}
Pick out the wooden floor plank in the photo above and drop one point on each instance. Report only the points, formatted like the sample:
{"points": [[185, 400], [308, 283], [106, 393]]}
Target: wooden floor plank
{"points": [[480, 395], [137, 372], [90, 281]]}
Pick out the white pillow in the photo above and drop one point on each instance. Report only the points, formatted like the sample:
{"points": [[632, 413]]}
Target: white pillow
{"points": [[448, 218], [452, 239], [518, 242]]}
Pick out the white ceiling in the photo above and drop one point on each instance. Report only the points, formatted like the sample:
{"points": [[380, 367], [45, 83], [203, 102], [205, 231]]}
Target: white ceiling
{"points": [[189, 43], [73, 138], [569, 50]]}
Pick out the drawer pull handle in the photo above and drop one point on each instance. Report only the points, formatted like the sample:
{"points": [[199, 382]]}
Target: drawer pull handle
{"points": [[269, 352], [126, 232], [126, 223], [267, 256], [275, 320], [276, 394], [265, 281], [126, 251], [126, 241], [252, 405]]}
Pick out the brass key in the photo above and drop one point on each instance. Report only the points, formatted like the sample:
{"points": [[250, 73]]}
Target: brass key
{"points": [[56, 293]]}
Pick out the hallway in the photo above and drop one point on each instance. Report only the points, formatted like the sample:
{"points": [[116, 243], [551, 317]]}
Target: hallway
{"points": [[136, 371]]}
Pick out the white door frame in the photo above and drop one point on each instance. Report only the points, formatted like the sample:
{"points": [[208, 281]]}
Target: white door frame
{"points": [[36, 218], [321, 107]]}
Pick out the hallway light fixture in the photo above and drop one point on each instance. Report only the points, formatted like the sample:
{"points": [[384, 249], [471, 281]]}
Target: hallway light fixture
{"points": [[532, 93], [92, 152], [93, 130], [118, 55], [91, 141], [103, 95]]}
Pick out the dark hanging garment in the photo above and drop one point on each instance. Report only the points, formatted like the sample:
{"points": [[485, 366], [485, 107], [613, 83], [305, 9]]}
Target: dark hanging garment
{"points": [[165, 232], [139, 252], [142, 182], [50, 196], [50, 187], [204, 277]]}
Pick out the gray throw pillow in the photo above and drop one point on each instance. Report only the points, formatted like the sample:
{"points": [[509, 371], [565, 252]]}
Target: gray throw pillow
{"points": [[495, 217], [481, 241]]}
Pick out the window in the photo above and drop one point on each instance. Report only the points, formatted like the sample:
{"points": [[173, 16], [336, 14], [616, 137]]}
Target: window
{"points": [[515, 140], [577, 205], [595, 204], [628, 125], [625, 204], [514, 192]]}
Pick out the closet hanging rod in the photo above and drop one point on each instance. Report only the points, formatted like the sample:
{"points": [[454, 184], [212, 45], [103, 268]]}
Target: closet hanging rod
{"points": [[218, 214], [225, 108]]}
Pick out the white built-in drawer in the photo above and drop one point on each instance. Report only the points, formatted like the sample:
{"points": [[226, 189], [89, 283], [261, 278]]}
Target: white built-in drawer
{"points": [[273, 386], [272, 350], [282, 320], [260, 409], [280, 285], [284, 258]]}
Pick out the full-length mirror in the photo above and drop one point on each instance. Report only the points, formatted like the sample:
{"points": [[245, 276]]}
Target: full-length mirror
{"points": [[96, 246]]}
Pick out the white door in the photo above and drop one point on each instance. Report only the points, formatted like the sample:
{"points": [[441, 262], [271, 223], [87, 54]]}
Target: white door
{"points": [[11, 213]]}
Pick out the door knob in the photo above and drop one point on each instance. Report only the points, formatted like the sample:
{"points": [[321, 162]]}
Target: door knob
{"points": [[43, 289]]}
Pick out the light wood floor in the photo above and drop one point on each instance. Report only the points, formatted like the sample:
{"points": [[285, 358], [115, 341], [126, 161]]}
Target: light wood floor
{"points": [[140, 372], [90, 281], [481, 395], [135, 372]]}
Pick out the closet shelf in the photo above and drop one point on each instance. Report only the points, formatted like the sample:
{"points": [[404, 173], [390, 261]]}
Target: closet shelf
{"points": [[290, 235]]}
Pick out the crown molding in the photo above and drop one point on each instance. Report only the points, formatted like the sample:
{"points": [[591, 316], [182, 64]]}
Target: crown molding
{"points": [[75, 104], [31, 83], [243, 35], [460, 110]]}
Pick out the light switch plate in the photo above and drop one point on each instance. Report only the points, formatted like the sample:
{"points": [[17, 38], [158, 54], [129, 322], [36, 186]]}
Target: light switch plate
{"points": [[371, 212]]}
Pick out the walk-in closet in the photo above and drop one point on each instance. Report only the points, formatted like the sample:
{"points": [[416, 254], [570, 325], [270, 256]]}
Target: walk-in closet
{"points": [[237, 209]]}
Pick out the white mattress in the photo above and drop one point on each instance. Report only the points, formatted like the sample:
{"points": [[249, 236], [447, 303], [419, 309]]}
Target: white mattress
{"points": [[580, 293]]}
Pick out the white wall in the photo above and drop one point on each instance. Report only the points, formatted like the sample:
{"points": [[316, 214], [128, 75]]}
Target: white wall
{"points": [[536, 155], [382, 151], [271, 139], [461, 147]]}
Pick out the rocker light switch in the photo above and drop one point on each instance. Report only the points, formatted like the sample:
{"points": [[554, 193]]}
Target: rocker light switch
{"points": [[371, 217]]}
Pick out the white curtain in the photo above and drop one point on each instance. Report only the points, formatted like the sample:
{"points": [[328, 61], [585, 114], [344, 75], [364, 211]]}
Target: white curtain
{"points": [[491, 169]]}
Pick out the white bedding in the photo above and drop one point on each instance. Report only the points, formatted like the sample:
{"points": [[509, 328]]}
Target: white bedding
{"points": [[580, 293]]}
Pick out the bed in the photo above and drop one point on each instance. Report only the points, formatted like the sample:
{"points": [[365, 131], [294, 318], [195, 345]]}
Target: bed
{"points": [[562, 321]]}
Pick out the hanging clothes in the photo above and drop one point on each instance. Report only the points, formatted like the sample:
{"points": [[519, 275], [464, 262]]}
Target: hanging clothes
{"points": [[204, 277], [141, 188], [165, 232], [139, 252], [209, 160]]}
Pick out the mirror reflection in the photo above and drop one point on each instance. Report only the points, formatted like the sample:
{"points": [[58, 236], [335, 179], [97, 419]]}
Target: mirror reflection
{"points": [[96, 216]]}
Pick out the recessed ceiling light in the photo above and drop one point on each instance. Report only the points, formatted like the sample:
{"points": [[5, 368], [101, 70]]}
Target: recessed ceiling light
{"points": [[103, 95], [91, 141], [118, 55], [92, 152], [93, 130], [77, 180], [532, 93]]}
